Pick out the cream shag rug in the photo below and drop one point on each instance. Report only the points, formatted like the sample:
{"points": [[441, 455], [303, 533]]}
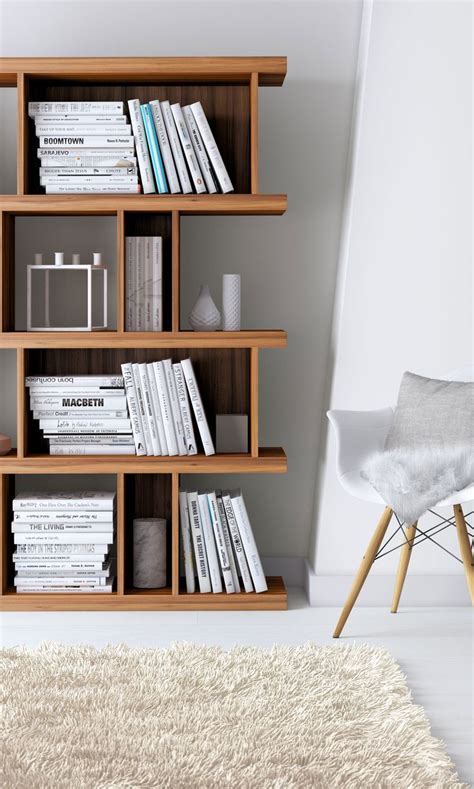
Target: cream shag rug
{"points": [[194, 716]]}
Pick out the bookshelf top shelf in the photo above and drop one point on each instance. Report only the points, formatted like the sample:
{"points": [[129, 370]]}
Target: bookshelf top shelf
{"points": [[271, 70]]}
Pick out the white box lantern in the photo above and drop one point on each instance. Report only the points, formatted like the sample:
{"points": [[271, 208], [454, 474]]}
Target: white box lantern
{"points": [[93, 278]]}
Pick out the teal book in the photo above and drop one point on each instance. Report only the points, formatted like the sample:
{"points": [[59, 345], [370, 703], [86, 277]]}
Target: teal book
{"points": [[154, 148]]}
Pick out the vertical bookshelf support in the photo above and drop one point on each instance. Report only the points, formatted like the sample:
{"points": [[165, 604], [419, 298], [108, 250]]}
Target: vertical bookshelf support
{"points": [[254, 186], [175, 534], [121, 526], [4, 483], [21, 404], [22, 138], [120, 271], [254, 402], [175, 265], [7, 284]]}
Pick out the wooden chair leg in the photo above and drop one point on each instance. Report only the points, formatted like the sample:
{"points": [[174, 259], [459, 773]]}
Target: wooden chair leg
{"points": [[366, 564], [405, 556], [465, 547]]}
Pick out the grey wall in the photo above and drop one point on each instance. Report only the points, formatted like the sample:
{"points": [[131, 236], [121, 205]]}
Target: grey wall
{"points": [[288, 264]]}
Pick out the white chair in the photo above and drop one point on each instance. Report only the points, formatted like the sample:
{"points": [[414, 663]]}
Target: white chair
{"points": [[358, 435]]}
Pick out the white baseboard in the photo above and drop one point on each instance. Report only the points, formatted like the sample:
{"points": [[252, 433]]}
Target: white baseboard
{"points": [[419, 590]]}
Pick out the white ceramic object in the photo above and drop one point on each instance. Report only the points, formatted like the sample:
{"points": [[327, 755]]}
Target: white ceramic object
{"points": [[231, 302], [97, 258], [204, 315], [76, 259], [59, 258], [38, 258]]}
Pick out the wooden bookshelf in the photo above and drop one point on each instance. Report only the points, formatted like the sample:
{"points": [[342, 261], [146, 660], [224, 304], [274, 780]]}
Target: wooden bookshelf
{"points": [[226, 362]]}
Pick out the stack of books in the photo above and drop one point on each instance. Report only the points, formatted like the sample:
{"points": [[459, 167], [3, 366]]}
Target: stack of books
{"points": [[176, 149], [218, 543], [64, 541], [160, 397], [85, 147], [82, 414], [143, 277]]}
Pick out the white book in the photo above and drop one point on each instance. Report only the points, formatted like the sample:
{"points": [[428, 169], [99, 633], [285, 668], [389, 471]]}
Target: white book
{"points": [[76, 161], [83, 119], [165, 406], [175, 144], [90, 449], [228, 541], [44, 413], [63, 172], [210, 543], [155, 400], [65, 500], [75, 107], [147, 283], [185, 408], [143, 154], [56, 553], [100, 569], [118, 440], [142, 409], [75, 516], [63, 589], [248, 541], [221, 547], [175, 409], [198, 408], [78, 425], [89, 189], [89, 129], [157, 284], [198, 542], [165, 147], [186, 542], [134, 410], [211, 148], [130, 293], [37, 390], [139, 284], [61, 580], [74, 380], [237, 542], [83, 180], [145, 384], [63, 528], [199, 149], [70, 538], [188, 149], [87, 141], [73, 403], [81, 152]]}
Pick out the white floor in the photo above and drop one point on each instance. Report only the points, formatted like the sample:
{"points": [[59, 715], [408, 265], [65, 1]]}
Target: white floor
{"points": [[433, 646]]}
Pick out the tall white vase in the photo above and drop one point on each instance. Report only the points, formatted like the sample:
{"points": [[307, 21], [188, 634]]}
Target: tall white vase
{"points": [[231, 302], [204, 315]]}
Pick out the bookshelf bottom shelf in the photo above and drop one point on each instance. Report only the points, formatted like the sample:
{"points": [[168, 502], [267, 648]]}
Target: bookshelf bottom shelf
{"points": [[275, 599]]}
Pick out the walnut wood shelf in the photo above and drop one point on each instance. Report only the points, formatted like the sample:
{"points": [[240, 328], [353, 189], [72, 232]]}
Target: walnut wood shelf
{"points": [[226, 363]]}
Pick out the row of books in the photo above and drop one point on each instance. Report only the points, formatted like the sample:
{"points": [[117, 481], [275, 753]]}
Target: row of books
{"points": [[160, 396], [144, 283], [64, 542], [218, 543], [171, 147]]}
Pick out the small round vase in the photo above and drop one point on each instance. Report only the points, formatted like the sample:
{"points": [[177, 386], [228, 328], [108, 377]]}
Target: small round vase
{"points": [[204, 315]]}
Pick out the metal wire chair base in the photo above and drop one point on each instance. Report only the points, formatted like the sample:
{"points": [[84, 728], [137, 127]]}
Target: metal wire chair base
{"points": [[429, 534]]}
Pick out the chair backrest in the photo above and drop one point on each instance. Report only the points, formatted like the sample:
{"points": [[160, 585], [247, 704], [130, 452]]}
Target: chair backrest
{"points": [[461, 374]]}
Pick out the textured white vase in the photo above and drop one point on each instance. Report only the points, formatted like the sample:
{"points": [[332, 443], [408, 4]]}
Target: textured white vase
{"points": [[231, 302], [204, 315]]}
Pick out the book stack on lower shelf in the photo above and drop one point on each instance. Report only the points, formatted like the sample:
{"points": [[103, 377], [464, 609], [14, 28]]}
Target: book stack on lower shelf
{"points": [[64, 542], [217, 539]]}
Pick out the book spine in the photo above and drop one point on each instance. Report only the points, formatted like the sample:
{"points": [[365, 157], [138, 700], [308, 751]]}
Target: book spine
{"points": [[84, 180], [154, 149], [157, 410], [76, 161], [228, 541], [143, 155], [88, 130], [145, 384], [27, 581], [142, 409], [74, 107], [86, 425], [63, 589], [90, 449], [46, 567], [186, 543], [36, 553], [79, 404], [86, 141], [175, 144], [237, 542], [130, 296], [45, 390], [90, 189], [62, 172], [198, 541], [139, 281], [207, 530], [83, 119], [185, 408], [157, 283], [119, 440], [165, 406], [73, 516], [187, 147], [113, 381], [100, 538], [81, 153], [83, 414], [220, 543], [86, 500], [211, 148], [48, 528], [199, 149], [175, 409], [248, 541], [165, 147], [196, 402], [147, 283]]}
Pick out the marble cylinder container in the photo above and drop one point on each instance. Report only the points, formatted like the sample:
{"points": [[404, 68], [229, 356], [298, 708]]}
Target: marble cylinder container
{"points": [[231, 302], [149, 553]]}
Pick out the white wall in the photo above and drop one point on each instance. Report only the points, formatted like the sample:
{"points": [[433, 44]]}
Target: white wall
{"points": [[407, 301], [288, 264]]}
